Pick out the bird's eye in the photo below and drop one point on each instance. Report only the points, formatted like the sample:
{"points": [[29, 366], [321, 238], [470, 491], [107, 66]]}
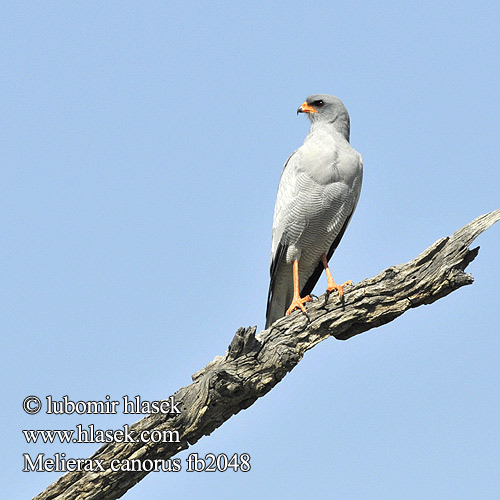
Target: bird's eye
{"points": [[318, 103]]}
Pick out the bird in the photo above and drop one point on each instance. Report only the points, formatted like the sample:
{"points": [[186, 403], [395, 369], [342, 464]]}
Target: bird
{"points": [[318, 192]]}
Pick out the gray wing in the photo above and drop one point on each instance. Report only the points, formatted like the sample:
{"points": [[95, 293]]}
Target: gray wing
{"points": [[287, 190]]}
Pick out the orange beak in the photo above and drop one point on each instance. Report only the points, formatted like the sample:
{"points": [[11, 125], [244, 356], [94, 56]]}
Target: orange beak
{"points": [[306, 108]]}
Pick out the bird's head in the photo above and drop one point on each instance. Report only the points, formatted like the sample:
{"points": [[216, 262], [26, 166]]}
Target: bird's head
{"points": [[324, 108]]}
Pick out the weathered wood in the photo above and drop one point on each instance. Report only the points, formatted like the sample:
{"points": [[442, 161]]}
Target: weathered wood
{"points": [[254, 364]]}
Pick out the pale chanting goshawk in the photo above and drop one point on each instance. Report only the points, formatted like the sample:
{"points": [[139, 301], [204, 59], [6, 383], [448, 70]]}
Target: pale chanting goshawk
{"points": [[317, 195]]}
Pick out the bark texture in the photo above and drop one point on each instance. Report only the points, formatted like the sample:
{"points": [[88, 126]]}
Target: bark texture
{"points": [[254, 364]]}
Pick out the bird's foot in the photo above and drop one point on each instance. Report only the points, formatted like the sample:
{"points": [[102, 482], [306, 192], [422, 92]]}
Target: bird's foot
{"points": [[298, 303], [340, 288]]}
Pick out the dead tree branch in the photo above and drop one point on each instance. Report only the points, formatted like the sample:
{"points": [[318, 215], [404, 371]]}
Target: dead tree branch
{"points": [[254, 364]]}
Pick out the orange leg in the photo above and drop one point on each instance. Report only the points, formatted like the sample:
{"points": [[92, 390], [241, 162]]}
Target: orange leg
{"points": [[297, 302], [331, 284]]}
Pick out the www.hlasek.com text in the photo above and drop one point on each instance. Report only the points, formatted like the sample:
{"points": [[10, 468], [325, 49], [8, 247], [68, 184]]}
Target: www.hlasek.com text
{"points": [[92, 435]]}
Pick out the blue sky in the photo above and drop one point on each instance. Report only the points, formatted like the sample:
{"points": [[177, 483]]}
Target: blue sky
{"points": [[141, 151]]}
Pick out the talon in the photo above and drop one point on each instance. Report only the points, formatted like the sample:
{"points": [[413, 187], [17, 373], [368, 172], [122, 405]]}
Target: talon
{"points": [[340, 288], [298, 303]]}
